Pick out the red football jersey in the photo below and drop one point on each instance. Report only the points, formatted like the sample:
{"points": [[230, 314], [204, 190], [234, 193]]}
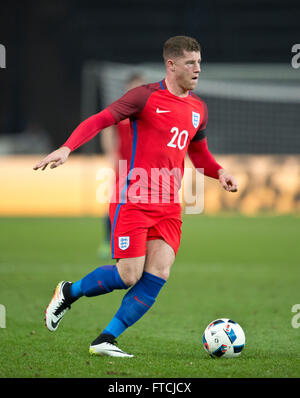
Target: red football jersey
{"points": [[124, 138], [162, 127]]}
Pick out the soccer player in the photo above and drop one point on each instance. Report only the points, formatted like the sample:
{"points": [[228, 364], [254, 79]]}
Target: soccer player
{"points": [[115, 141], [167, 121]]}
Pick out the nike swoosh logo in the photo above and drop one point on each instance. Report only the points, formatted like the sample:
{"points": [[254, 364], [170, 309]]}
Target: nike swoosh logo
{"points": [[122, 352], [161, 111], [114, 350], [54, 324], [136, 298]]}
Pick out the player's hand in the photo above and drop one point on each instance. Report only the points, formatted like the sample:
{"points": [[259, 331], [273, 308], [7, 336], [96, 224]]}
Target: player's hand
{"points": [[56, 158], [228, 182]]}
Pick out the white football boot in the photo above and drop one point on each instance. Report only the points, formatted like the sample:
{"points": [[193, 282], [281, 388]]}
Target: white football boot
{"points": [[58, 306], [105, 345]]}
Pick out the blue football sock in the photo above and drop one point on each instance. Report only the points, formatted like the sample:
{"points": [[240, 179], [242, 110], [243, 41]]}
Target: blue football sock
{"points": [[136, 302], [102, 280], [76, 291]]}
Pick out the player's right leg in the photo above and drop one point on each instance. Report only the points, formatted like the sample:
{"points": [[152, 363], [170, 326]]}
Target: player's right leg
{"points": [[102, 280], [58, 306]]}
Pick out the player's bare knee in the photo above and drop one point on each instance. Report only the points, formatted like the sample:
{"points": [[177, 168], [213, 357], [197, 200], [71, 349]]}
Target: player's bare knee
{"points": [[130, 270], [158, 269], [163, 273], [131, 279]]}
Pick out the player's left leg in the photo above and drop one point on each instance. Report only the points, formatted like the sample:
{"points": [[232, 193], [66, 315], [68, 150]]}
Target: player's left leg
{"points": [[139, 299], [160, 258]]}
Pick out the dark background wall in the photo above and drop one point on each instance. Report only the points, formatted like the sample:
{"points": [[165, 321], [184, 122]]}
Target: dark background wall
{"points": [[48, 41]]}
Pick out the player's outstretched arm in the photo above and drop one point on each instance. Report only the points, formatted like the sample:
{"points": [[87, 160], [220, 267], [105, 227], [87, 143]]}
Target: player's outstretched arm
{"points": [[228, 182], [82, 134], [56, 158], [203, 159]]}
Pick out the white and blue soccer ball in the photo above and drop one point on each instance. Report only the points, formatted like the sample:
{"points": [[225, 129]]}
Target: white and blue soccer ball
{"points": [[224, 338]]}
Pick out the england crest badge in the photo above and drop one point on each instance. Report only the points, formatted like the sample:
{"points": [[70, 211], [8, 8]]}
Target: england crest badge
{"points": [[124, 242], [195, 119]]}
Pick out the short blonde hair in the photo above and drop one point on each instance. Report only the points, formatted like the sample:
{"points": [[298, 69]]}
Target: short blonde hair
{"points": [[175, 46]]}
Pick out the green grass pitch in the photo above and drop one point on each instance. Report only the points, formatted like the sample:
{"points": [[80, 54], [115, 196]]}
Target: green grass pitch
{"points": [[243, 268]]}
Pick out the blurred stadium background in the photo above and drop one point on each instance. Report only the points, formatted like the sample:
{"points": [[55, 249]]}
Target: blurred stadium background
{"points": [[67, 60]]}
